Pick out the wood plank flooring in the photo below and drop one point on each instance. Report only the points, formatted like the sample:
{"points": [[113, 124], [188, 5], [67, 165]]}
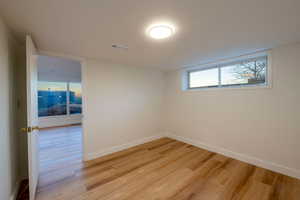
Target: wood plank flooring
{"points": [[158, 170], [60, 152]]}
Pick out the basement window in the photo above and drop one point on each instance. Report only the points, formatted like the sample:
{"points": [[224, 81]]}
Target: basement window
{"points": [[245, 72]]}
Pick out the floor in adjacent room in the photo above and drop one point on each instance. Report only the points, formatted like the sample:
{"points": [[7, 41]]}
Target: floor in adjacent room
{"points": [[60, 152], [161, 169]]}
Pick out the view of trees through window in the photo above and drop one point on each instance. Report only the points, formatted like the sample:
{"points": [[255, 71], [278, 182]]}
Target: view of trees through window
{"points": [[59, 98], [248, 72]]}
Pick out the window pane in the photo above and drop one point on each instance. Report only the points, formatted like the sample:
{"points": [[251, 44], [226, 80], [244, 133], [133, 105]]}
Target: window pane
{"points": [[75, 98], [204, 78], [249, 72], [52, 98]]}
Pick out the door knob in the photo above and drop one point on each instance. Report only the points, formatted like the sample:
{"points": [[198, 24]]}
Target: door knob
{"points": [[35, 128], [29, 129]]}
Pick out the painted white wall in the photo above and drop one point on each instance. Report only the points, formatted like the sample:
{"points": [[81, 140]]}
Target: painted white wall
{"points": [[9, 171], [20, 74], [262, 124], [57, 69], [121, 105]]}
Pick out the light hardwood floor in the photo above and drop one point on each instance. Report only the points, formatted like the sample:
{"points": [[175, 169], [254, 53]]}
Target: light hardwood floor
{"points": [[162, 169], [60, 154]]}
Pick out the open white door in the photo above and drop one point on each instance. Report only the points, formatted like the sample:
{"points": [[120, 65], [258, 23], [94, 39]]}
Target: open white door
{"points": [[32, 116]]}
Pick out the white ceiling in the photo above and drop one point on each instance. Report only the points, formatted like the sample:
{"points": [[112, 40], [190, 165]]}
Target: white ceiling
{"points": [[58, 69], [207, 29]]}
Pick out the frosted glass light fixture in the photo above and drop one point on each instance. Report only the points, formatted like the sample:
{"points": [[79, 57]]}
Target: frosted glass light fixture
{"points": [[160, 31]]}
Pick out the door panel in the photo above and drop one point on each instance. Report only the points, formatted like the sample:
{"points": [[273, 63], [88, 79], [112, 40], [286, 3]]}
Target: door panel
{"points": [[32, 115]]}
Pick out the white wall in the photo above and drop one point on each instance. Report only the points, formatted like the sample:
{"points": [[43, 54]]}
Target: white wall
{"points": [[9, 171], [57, 69], [20, 75], [252, 124], [121, 105]]}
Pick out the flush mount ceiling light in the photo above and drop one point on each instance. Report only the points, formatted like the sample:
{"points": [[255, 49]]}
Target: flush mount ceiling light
{"points": [[160, 31]]}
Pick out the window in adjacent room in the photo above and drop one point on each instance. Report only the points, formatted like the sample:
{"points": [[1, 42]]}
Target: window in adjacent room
{"points": [[52, 98], [59, 98]]}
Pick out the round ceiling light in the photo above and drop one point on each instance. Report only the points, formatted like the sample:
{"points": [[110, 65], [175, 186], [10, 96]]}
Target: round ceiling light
{"points": [[160, 31]]}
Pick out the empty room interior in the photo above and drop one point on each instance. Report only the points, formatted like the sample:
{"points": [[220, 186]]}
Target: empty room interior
{"points": [[150, 100]]}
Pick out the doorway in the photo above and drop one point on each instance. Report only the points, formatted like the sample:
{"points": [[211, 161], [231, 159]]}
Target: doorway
{"points": [[59, 94]]}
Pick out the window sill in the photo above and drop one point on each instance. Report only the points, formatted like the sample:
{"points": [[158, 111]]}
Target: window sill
{"points": [[60, 116], [224, 88]]}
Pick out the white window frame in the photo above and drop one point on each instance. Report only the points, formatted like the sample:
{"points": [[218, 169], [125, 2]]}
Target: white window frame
{"points": [[219, 64]]}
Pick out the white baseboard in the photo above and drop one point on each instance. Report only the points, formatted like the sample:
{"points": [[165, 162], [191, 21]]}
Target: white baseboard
{"points": [[91, 156], [242, 157], [14, 194]]}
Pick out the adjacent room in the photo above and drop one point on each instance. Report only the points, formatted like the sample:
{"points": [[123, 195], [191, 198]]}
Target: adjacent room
{"points": [[150, 100], [60, 118]]}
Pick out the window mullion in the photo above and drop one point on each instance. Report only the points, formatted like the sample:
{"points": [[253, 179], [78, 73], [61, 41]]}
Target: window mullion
{"points": [[219, 74], [68, 98]]}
